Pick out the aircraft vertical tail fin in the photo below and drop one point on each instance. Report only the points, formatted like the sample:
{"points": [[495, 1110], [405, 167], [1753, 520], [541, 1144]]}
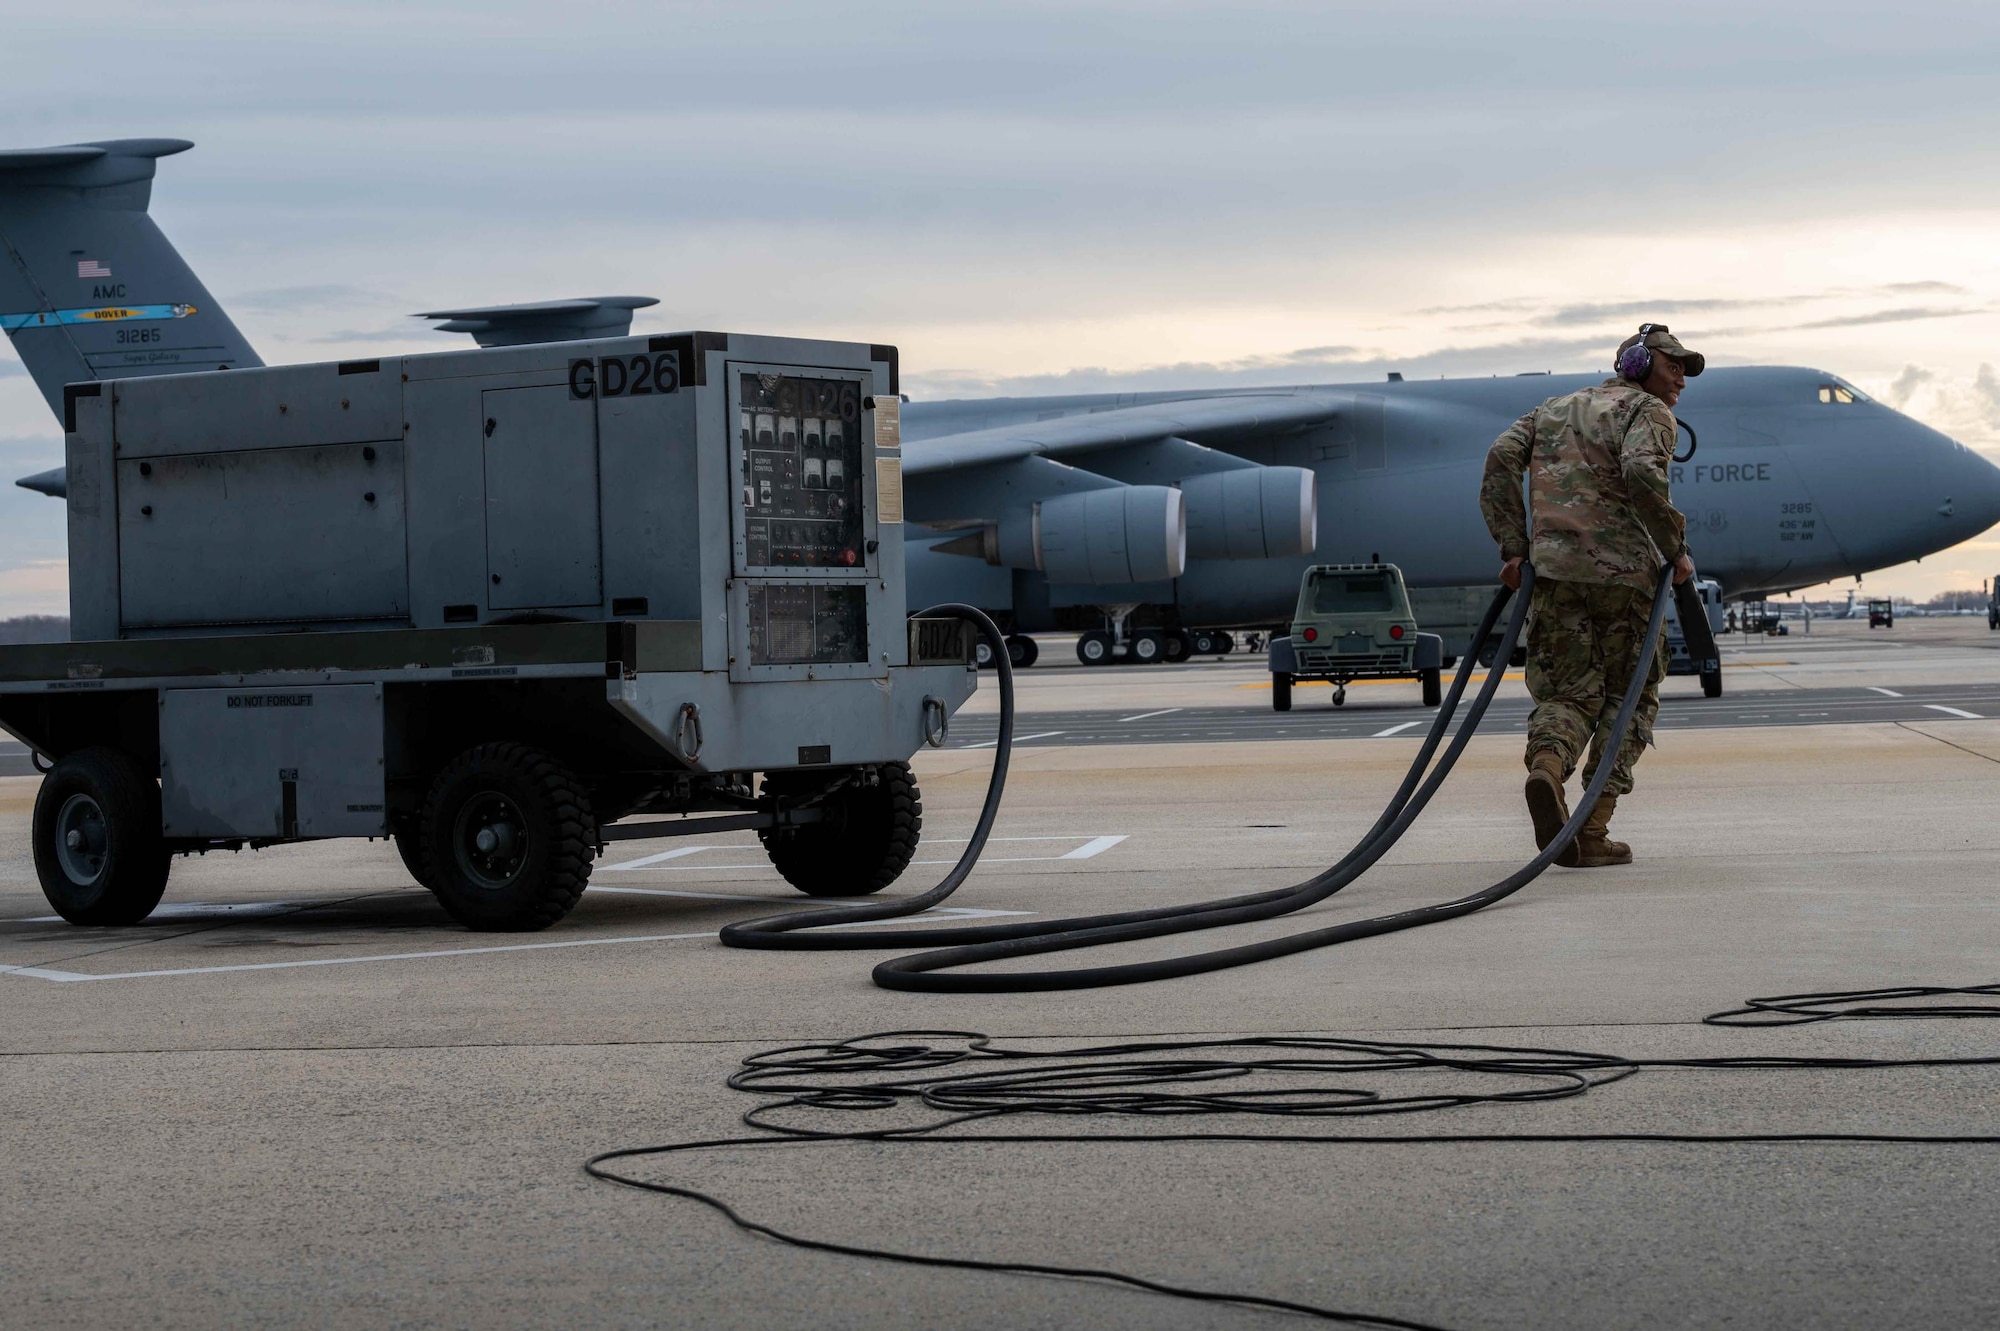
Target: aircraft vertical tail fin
{"points": [[89, 287]]}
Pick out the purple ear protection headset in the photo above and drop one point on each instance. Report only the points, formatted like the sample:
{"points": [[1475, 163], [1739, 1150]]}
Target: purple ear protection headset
{"points": [[1636, 361]]}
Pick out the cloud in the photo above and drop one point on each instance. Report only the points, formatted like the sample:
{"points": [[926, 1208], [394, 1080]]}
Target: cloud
{"points": [[1595, 314], [1910, 315], [1986, 393], [38, 587], [1907, 383], [1917, 288]]}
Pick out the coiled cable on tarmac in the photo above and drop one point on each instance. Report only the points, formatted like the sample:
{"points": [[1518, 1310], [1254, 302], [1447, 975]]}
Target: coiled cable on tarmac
{"points": [[966, 946]]}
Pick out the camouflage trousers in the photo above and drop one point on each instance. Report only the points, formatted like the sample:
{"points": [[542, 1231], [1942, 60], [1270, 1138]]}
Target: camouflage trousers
{"points": [[1584, 640]]}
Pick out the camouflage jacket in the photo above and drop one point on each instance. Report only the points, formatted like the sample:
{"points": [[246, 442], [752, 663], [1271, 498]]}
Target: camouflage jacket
{"points": [[1596, 462]]}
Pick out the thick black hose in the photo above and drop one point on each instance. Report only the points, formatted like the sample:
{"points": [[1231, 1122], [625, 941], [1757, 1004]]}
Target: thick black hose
{"points": [[775, 931], [965, 946], [919, 972], [779, 931]]}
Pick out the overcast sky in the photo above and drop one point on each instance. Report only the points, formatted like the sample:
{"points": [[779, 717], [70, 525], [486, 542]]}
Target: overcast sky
{"points": [[1069, 196]]}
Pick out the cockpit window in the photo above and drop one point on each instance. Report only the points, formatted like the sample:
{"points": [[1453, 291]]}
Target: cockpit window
{"points": [[1841, 392]]}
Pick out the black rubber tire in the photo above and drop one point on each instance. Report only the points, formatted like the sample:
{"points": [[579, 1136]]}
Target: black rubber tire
{"points": [[1340, 695], [1177, 647], [406, 833], [1148, 648], [1711, 683], [130, 867], [558, 830], [1225, 643], [1281, 692], [1022, 651], [865, 842], [1433, 687], [982, 654], [1203, 643], [1094, 642]]}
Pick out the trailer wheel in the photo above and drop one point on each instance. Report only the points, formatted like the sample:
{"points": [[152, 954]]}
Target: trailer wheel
{"points": [[407, 833], [1711, 683], [862, 845], [508, 836], [1281, 692], [1433, 687], [98, 848]]}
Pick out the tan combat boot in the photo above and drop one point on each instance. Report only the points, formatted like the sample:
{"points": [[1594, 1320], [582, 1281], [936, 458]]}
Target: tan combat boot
{"points": [[1594, 847], [1546, 804]]}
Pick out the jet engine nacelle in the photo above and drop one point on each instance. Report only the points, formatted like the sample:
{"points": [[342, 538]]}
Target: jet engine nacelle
{"points": [[1125, 533], [1252, 513]]}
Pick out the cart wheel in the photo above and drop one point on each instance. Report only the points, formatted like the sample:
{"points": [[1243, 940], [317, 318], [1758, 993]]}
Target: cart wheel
{"points": [[1340, 695], [98, 848], [1433, 687], [1281, 692], [862, 845], [1711, 683], [407, 833], [508, 837]]}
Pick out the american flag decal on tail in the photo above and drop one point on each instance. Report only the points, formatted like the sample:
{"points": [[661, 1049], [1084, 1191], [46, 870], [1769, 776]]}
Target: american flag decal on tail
{"points": [[91, 268]]}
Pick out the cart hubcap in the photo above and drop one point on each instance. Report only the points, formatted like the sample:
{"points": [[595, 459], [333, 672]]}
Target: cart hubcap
{"points": [[491, 840], [81, 840]]}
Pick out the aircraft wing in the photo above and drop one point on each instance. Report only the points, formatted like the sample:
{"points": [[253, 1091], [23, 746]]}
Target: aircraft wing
{"points": [[1212, 421]]}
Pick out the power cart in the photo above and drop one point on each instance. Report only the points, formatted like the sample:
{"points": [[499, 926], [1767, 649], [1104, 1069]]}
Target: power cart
{"points": [[503, 606], [1353, 621]]}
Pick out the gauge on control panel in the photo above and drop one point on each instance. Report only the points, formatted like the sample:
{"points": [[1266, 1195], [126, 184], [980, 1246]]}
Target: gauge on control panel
{"points": [[801, 442]]}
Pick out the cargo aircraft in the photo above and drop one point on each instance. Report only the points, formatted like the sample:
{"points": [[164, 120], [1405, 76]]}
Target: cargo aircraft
{"points": [[1136, 518]]}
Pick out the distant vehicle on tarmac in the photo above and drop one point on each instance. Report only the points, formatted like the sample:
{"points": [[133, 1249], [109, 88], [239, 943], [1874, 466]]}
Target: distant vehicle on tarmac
{"points": [[1993, 606], [1881, 614], [1353, 621]]}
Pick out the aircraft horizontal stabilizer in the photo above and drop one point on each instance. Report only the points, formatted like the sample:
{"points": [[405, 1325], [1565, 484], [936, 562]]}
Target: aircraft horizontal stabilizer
{"points": [[543, 320]]}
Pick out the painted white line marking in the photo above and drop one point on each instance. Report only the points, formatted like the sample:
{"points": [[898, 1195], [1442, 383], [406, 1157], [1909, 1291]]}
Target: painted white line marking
{"points": [[201, 910], [681, 852], [1094, 847], [41, 973], [1953, 711], [673, 854], [1394, 730], [1018, 739], [1143, 715], [1887, 693]]}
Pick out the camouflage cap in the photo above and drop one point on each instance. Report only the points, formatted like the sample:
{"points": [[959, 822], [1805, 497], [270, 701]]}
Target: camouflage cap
{"points": [[1660, 340]]}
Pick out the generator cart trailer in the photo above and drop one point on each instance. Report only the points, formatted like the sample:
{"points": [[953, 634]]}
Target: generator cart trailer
{"points": [[491, 604], [1354, 622]]}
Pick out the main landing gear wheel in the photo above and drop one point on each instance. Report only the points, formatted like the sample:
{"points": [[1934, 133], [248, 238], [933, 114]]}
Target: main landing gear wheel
{"points": [[982, 654], [1094, 648], [1281, 692], [1433, 687], [1203, 643], [98, 848], [1711, 683], [1226, 643], [1149, 648], [1177, 647], [1021, 650], [508, 837], [863, 842]]}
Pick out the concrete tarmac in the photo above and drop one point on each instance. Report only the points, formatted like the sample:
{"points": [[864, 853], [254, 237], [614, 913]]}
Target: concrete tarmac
{"points": [[301, 1096]]}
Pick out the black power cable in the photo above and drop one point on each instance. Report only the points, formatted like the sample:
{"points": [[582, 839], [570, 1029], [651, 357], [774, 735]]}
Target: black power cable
{"points": [[965, 946], [935, 1083]]}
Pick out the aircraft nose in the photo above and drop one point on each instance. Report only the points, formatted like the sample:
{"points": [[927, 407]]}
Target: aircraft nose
{"points": [[1974, 500]]}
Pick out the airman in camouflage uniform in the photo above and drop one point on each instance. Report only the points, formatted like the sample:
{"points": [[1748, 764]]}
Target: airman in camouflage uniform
{"points": [[1596, 467]]}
